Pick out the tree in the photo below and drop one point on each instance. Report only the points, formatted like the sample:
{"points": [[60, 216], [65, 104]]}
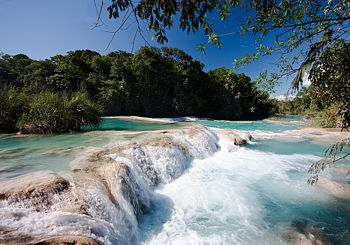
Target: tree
{"points": [[34, 81], [331, 80], [235, 96], [330, 75], [188, 81], [152, 82], [7, 73], [71, 70]]}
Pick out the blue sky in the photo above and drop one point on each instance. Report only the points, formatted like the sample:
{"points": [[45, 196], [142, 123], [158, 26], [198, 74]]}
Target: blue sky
{"points": [[43, 28]]}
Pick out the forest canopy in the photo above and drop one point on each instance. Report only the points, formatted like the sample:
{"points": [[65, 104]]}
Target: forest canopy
{"points": [[152, 82]]}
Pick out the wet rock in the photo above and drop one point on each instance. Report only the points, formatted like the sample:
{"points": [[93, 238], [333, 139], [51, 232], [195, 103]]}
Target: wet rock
{"points": [[54, 240], [117, 178], [123, 187], [142, 161], [103, 195], [91, 159], [36, 189], [302, 233], [239, 141]]}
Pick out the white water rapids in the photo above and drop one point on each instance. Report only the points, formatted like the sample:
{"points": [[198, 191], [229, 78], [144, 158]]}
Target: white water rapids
{"points": [[187, 186]]}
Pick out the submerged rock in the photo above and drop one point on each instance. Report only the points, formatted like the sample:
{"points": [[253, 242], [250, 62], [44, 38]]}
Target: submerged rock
{"points": [[302, 233], [336, 189], [324, 135]]}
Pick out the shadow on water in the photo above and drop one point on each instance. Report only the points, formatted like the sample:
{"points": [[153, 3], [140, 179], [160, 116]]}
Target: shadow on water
{"points": [[160, 212]]}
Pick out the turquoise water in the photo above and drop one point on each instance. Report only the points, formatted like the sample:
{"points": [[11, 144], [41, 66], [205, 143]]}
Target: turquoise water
{"points": [[251, 195], [20, 154], [251, 125], [24, 153], [288, 148], [118, 124]]}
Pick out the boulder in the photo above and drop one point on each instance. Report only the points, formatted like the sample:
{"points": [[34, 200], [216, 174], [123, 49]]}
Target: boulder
{"points": [[236, 139], [239, 141]]}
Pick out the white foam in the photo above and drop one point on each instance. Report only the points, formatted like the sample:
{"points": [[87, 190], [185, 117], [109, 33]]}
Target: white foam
{"points": [[218, 201], [211, 192]]}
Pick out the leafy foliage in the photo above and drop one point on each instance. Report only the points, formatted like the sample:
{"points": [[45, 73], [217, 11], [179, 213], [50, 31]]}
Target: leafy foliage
{"points": [[46, 112], [160, 16], [152, 82], [302, 30], [330, 75], [327, 99], [331, 157]]}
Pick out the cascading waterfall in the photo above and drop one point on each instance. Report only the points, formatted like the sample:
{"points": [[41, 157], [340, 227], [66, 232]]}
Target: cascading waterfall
{"points": [[189, 185], [107, 192], [250, 196]]}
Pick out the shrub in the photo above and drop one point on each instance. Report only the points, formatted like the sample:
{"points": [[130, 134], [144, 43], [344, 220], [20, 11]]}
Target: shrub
{"points": [[327, 118], [54, 113], [83, 112]]}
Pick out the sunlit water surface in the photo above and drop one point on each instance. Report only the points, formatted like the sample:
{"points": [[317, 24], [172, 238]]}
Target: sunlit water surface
{"points": [[24, 153], [249, 195]]}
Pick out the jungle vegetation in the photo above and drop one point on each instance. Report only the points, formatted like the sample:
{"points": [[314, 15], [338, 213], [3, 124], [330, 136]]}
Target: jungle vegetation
{"points": [[64, 92]]}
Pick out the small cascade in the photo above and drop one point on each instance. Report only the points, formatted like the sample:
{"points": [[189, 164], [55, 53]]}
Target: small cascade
{"points": [[106, 193]]}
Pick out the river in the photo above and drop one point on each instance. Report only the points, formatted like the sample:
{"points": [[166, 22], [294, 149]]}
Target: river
{"points": [[256, 194]]}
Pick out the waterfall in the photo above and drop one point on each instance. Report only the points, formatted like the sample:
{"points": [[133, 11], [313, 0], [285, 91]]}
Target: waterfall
{"points": [[108, 192]]}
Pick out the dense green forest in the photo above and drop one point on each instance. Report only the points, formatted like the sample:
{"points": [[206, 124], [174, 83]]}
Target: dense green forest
{"points": [[152, 82]]}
